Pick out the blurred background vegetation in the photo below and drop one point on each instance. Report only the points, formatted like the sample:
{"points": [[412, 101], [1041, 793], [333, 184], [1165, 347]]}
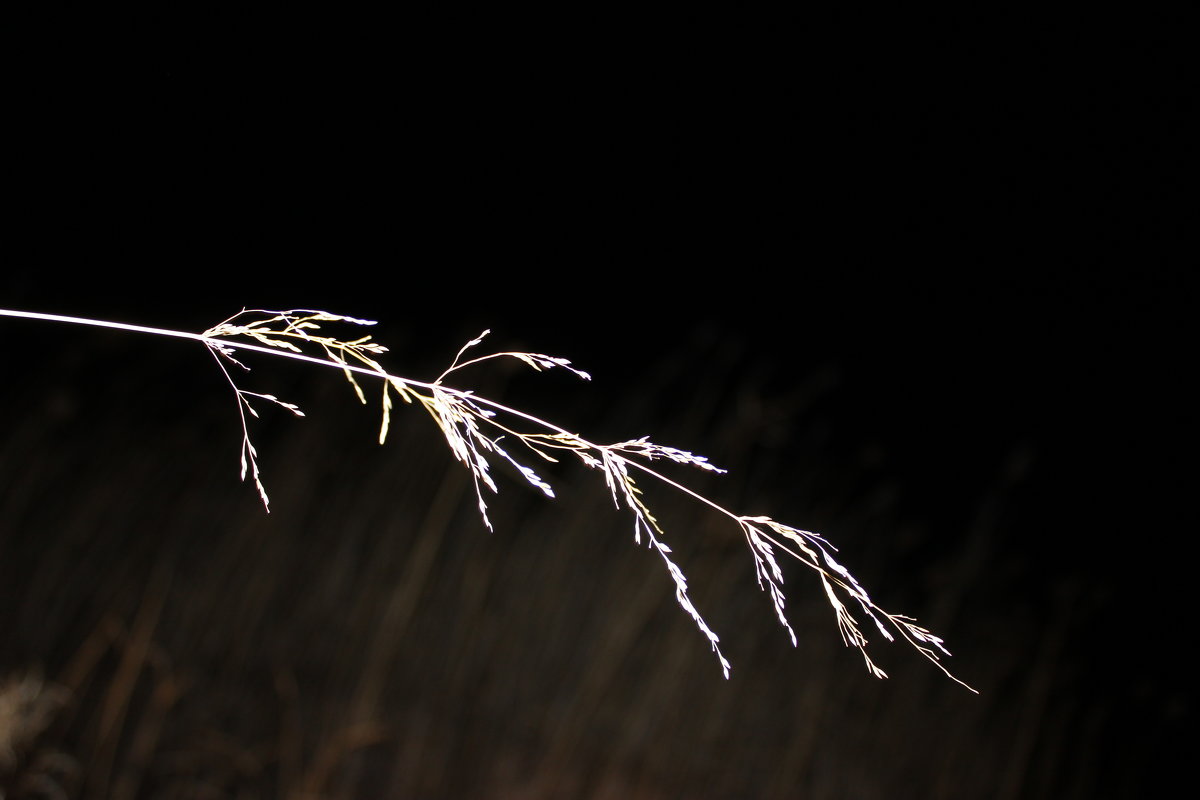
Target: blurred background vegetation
{"points": [[370, 633]]}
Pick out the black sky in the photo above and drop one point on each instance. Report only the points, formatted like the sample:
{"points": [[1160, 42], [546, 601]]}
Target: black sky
{"points": [[985, 221]]}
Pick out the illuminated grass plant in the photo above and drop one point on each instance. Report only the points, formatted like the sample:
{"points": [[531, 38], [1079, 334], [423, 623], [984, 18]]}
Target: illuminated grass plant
{"points": [[474, 427]]}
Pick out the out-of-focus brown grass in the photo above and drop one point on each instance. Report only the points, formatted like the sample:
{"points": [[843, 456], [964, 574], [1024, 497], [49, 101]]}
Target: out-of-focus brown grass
{"points": [[370, 639]]}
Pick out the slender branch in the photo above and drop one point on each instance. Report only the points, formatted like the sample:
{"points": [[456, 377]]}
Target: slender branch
{"points": [[98, 323]]}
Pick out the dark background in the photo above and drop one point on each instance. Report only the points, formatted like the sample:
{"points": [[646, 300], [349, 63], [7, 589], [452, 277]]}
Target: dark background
{"points": [[919, 282]]}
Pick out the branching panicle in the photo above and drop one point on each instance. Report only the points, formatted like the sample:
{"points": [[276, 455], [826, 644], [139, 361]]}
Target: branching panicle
{"points": [[473, 427]]}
